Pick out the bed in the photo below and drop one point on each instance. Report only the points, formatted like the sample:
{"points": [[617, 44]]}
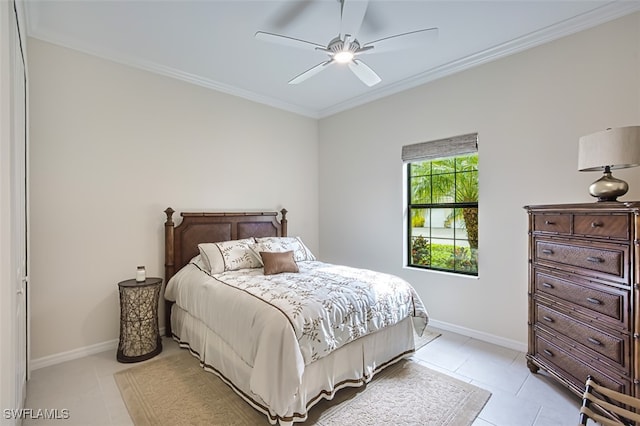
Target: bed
{"points": [[281, 338]]}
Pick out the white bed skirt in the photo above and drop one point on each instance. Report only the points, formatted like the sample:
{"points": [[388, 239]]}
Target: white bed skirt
{"points": [[351, 365]]}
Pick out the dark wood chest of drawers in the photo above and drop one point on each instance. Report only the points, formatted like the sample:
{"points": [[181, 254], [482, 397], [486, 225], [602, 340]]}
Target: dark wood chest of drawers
{"points": [[584, 306]]}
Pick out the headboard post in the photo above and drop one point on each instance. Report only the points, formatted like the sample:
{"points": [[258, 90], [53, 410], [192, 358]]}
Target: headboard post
{"points": [[283, 222], [168, 244], [169, 264]]}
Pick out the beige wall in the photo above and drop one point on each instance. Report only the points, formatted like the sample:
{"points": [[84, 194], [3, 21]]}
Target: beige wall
{"points": [[111, 148], [529, 110]]}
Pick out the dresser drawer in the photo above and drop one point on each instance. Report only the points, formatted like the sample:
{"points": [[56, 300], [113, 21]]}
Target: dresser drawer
{"points": [[602, 260], [552, 223], [596, 299], [575, 369], [605, 344], [607, 226]]}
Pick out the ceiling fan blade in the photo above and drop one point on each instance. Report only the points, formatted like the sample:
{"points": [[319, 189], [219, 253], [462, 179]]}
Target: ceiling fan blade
{"points": [[408, 40], [364, 73], [351, 16], [310, 72], [286, 40], [290, 11]]}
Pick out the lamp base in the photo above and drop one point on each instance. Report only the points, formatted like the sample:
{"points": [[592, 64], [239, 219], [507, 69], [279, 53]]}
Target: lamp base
{"points": [[608, 188]]}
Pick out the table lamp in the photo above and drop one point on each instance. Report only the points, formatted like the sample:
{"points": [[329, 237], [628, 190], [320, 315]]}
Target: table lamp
{"points": [[608, 150]]}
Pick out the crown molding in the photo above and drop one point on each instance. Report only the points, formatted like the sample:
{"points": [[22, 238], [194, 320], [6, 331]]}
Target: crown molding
{"points": [[567, 27], [155, 68]]}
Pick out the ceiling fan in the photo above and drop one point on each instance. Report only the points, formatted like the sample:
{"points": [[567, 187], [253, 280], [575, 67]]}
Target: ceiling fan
{"points": [[344, 48]]}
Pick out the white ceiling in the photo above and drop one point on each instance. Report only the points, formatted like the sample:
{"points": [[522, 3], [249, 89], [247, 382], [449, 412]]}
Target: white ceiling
{"points": [[211, 42]]}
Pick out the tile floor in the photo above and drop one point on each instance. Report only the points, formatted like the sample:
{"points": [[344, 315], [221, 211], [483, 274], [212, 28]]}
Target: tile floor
{"points": [[87, 389]]}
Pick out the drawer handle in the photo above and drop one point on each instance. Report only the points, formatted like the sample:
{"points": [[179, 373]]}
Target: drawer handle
{"points": [[547, 285], [548, 319], [548, 352], [594, 301], [549, 222], [547, 251], [595, 259], [596, 224], [594, 341]]}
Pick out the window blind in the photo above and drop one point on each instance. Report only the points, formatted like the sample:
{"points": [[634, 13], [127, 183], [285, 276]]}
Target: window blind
{"points": [[448, 147]]}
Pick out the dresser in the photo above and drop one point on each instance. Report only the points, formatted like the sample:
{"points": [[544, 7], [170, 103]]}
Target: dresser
{"points": [[584, 306]]}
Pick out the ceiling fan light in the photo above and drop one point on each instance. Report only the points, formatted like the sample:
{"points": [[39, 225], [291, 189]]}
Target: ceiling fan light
{"points": [[343, 57]]}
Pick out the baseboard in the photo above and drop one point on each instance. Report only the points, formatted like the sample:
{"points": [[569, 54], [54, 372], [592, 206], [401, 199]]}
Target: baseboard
{"points": [[58, 358], [480, 335], [47, 361], [112, 345]]}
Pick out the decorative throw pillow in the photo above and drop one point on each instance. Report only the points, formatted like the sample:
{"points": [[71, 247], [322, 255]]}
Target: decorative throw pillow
{"points": [[228, 255], [278, 262], [280, 244]]}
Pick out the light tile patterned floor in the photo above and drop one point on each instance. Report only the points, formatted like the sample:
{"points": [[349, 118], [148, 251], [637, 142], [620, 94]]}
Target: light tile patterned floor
{"points": [[517, 396], [87, 389]]}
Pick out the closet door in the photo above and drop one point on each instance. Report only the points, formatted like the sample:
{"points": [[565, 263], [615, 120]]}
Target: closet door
{"points": [[13, 213], [19, 216]]}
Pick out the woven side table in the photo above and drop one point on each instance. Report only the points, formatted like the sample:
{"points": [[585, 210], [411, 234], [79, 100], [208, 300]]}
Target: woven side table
{"points": [[139, 333]]}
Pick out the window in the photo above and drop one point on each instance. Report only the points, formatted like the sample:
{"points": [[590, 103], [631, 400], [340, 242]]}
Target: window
{"points": [[442, 204]]}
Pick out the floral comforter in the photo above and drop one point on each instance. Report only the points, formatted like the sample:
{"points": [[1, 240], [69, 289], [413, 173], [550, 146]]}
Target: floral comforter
{"points": [[328, 305], [279, 323]]}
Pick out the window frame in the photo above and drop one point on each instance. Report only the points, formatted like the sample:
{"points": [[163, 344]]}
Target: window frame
{"points": [[430, 151]]}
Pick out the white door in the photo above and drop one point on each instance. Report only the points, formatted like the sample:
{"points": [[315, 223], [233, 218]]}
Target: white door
{"points": [[13, 214], [19, 221], [18, 200]]}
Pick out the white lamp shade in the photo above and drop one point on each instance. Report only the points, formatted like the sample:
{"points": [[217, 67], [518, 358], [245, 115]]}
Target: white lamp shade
{"points": [[617, 148]]}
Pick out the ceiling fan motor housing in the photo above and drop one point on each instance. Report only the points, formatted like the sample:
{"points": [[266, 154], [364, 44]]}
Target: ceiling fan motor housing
{"points": [[337, 45]]}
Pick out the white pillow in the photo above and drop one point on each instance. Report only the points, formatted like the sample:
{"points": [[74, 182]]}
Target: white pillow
{"points": [[199, 262], [229, 255], [281, 244]]}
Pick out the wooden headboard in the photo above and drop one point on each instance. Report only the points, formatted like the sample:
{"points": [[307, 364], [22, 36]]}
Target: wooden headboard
{"points": [[181, 242]]}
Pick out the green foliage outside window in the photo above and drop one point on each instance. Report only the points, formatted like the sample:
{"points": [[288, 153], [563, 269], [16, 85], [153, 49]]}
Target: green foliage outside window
{"points": [[444, 195]]}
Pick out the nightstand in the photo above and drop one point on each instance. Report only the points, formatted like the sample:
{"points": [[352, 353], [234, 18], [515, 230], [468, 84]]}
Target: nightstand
{"points": [[139, 333]]}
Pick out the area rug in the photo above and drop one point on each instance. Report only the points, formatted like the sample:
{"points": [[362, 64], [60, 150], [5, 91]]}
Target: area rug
{"points": [[175, 390]]}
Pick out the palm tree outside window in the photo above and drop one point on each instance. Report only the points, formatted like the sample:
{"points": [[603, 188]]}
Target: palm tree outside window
{"points": [[442, 205]]}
